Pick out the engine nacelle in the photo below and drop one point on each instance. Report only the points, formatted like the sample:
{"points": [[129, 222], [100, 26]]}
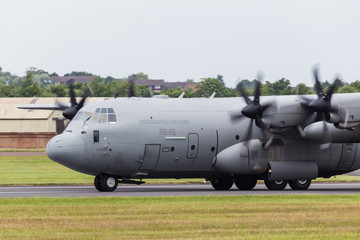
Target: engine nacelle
{"points": [[316, 131], [242, 159]]}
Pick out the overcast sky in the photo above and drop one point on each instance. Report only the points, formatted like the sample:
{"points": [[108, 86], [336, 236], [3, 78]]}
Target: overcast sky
{"points": [[179, 40]]}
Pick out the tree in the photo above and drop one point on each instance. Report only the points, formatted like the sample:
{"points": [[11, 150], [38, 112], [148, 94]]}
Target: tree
{"points": [[280, 87], [347, 89], [60, 90], [98, 87], [74, 73], [210, 85], [301, 89], [28, 87], [139, 75], [220, 78]]}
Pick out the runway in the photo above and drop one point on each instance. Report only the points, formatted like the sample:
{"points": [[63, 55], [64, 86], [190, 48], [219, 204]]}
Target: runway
{"points": [[169, 190]]}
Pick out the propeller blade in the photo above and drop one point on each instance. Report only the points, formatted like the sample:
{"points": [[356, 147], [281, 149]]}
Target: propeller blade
{"points": [[331, 89], [310, 120], [257, 92], [319, 90], [248, 133], [236, 117], [244, 94], [131, 88], [327, 137]]}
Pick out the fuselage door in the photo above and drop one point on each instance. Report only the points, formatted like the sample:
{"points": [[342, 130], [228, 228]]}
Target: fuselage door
{"points": [[151, 156], [193, 145]]}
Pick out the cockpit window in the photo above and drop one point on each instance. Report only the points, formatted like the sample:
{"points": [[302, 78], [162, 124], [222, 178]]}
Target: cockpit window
{"points": [[110, 110], [97, 110], [112, 118], [95, 118], [77, 116], [86, 116], [103, 110], [103, 118]]}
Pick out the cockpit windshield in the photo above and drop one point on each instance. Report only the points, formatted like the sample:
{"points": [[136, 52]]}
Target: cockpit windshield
{"points": [[100, 115]]}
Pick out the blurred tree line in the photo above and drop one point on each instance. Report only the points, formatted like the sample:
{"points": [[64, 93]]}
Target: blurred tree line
{"points": [[37, 82]]}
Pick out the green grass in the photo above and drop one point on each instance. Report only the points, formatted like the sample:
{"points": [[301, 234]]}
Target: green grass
{"points": [[209, 217], [40, 170]]}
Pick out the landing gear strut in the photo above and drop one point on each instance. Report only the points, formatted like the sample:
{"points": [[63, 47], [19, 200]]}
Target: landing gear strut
{"points": [[222, 183], [105, 183]]}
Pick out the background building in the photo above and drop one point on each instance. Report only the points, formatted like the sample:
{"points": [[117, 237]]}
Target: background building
{"points": [[23, 128]]}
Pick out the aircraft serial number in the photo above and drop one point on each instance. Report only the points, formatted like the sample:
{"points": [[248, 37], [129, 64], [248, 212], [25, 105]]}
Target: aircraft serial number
{"points": [[167, 132]]}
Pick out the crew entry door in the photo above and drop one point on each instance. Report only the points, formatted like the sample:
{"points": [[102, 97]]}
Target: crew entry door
{"points": [[151, 156]]}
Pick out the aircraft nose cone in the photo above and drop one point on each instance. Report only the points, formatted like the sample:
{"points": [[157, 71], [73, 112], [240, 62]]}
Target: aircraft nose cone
{"points": [[67, 149]]}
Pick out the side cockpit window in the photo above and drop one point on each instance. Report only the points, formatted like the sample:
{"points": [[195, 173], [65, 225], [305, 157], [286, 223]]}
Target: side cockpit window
{"points": [[77, 116]]}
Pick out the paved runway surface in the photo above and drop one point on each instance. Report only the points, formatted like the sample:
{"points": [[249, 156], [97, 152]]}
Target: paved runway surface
{"points": [[169, 190]]}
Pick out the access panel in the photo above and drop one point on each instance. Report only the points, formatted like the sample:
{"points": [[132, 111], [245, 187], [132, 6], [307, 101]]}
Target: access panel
{"points": [[193, 145]]}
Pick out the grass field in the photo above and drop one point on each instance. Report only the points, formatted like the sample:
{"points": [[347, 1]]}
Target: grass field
{"points": [[39, 170], [212, 217]]}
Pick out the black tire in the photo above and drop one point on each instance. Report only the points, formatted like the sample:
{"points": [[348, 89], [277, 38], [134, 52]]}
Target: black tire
{"points": [[222, 183], [242, 184], [97, 183], [275, 185], [300, 184], [108, 183]]}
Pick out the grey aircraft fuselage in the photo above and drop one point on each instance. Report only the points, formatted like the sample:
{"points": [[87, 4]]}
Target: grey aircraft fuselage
{"points": [[139, 138]]}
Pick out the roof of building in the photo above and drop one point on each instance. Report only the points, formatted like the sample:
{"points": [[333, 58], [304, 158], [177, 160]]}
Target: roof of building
{"points": [[57, 79], [149, 82], [171, 85], [9, 108], [192, 85]]}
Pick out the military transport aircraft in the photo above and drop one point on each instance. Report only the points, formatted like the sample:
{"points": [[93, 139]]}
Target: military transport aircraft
{"points": [[279, 139]]}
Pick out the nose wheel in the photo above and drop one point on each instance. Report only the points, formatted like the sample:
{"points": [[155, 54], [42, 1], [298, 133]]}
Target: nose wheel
{"points": [[105, 183]]}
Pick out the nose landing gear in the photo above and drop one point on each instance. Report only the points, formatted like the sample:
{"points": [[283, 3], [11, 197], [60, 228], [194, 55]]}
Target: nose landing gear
{"points": [[105, 183]]}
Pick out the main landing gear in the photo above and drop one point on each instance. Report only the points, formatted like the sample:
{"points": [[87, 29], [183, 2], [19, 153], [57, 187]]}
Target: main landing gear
{"points": [[226, 183], [249, 184], [105, 183]]}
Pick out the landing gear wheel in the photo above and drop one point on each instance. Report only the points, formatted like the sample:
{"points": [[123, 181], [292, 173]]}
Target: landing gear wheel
{"points": [[108, 183], [275, 185], [242, 184], [97, 183], [300, 184], [222, 183]]}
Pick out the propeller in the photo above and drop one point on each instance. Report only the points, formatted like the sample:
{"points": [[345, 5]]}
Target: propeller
{"points": [[321, 107], [70, 112], [253, 109], [131, 87]]}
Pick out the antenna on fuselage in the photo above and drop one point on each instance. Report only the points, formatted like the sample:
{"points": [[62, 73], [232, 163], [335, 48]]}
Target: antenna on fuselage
{"points": [[181, 95], [212, 95]]}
